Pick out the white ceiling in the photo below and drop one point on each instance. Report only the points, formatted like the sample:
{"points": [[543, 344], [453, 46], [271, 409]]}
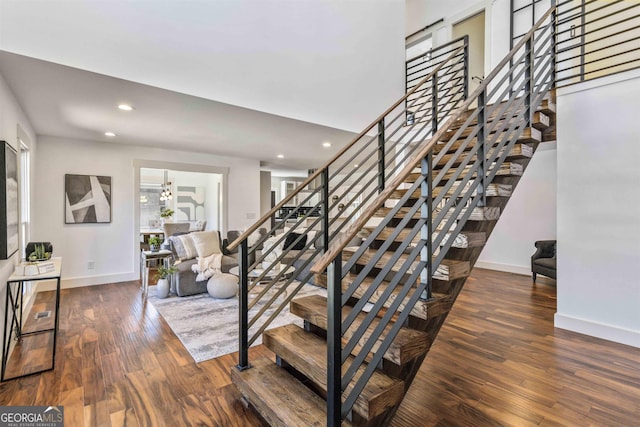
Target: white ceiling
{"points": [[72, 103]]}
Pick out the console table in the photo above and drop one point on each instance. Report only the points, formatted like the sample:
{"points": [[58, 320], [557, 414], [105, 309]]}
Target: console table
{"points": [[13, 319], [146, 257]]}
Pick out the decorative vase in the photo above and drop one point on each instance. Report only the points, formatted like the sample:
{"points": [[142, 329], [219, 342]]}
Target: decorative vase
{"points": [[162, 288], [154, 248]]}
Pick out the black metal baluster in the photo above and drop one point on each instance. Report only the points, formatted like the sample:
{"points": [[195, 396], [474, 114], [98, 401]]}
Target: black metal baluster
{"points": [[325, 208], [381, 161], [482, 171], [334, 342], [243, 265]]}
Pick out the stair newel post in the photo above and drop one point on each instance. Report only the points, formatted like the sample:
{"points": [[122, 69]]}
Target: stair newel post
{"points": [[482, 147], [334, 342], [466, 67], [325, 209], [528, 77], [381, 161], [426, 232], [243, 268]]}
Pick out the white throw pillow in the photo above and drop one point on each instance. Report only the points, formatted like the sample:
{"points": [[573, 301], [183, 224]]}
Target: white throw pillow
{"points": [[206, 242], [183, 246]]}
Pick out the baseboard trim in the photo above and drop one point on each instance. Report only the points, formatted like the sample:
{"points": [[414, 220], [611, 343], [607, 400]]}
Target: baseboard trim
{"points": [[77, 282], [507, 268], [598, 330]]}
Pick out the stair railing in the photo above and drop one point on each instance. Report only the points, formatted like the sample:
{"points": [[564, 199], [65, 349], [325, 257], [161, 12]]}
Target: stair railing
{"points": [[275, 267], [596, 38], [457, 167]]}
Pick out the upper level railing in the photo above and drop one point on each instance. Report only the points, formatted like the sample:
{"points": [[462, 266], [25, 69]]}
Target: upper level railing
{"points": [[418, 67], [323, 206], [596, 38], [443, 179]]}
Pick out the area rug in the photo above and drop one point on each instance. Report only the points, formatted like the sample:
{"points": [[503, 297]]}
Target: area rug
{"points": [[208, 327]]}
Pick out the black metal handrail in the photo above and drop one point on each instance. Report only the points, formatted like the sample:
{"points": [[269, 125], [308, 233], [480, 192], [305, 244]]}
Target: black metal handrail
{"points": [[596, 38], [436, 207], [334, 196]]}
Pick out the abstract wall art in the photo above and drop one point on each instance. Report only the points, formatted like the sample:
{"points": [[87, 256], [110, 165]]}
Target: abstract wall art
{"points": [[9, 240], [191, 202], [87, 199]]}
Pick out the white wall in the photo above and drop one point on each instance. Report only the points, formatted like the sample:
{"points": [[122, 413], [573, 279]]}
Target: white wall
{"points": [[599, 208], [113, 246], [530, 215], [12, 117], [310, 60]]}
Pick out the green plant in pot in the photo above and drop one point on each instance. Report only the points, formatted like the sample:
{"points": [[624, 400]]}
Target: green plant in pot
{"points": [[154, 243], [162, 287], [166, 213], [39, 253]]}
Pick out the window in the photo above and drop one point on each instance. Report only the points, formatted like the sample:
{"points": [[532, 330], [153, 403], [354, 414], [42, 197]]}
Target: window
{"points": [[25, 205]]}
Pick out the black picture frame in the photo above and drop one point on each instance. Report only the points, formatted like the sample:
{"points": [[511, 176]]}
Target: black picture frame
{"points": [[9, 232], [87, 199]]}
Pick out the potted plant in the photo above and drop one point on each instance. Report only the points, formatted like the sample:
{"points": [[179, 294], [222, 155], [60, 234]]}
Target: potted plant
{"points": [[162, 287], [166, 213], [154, 243]]}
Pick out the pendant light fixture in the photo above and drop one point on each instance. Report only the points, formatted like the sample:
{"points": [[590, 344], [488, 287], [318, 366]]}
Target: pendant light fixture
{"points": [[166, 189]]}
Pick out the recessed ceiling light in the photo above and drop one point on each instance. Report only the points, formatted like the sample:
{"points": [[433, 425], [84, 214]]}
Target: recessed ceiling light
{"points": [[111, 134], [326, 144], [280, 156], [356, 165], [125, 107]]}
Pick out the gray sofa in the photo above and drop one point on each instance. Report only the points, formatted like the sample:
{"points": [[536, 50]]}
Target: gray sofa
{"points": [[185, 278]]}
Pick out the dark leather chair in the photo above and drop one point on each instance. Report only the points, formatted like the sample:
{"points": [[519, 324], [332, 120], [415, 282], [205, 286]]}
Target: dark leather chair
{"points": [[544, 260]]}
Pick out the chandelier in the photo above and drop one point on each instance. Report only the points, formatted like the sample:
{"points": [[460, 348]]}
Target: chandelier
{"points": [[166, 192]]}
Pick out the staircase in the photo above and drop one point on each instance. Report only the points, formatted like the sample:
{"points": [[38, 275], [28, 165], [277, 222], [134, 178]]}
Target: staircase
{"points": [[433, 176]]}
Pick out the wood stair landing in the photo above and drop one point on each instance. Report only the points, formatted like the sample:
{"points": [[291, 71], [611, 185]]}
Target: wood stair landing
{"points": [[281, 399], [307, 353]]}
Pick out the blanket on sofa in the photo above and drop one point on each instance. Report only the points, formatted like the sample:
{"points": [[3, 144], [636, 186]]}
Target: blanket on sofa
{"points": [[207, 266]]}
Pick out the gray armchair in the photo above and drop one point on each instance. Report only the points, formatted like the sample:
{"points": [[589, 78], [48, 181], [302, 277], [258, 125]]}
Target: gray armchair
{"points": [[543, 261]]}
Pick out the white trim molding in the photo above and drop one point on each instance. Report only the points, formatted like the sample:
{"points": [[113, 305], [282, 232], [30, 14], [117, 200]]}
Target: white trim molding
{"points": [[598, 330]]}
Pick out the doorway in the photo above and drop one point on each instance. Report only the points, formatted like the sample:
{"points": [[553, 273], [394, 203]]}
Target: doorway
{"points": [[474, 28]]}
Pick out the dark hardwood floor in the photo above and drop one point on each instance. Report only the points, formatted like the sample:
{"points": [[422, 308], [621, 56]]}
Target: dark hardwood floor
{"points": [[497, 361]]}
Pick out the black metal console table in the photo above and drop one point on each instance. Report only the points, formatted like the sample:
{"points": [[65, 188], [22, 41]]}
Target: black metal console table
{"points": [[13, 322]]}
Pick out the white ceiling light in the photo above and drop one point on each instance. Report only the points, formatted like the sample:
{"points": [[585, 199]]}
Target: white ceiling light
{"points": [[125, 107], [111, 134], [326, 144], [280, 156]]}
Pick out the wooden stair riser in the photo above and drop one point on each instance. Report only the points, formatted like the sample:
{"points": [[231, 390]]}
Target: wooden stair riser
{"points": [[528, 136], [407, 345], [463, 240], [492, 190], [308, 354], [486, 213], [447, 270], [518, 151], [493, 127], [507, 168]]}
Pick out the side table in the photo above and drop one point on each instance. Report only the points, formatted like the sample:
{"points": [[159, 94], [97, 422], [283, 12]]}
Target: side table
{"points": [[13, 319], [145, 260]]}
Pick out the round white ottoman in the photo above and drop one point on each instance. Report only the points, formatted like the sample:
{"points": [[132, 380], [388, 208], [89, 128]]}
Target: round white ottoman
{"points": [[223, 285]]}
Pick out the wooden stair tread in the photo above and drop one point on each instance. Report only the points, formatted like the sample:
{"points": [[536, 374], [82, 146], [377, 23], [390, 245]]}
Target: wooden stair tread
{"points": [[506, 169], [464, 239], [281, 399], [492, 190], [497, 126], [307, 353], [528, 136], [422, 310], [407, 345], [447, 270], [518, 151], [484, 213]]}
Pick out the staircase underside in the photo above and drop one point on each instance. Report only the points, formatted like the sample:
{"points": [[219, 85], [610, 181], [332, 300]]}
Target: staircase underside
{"points": [[292, 392]]}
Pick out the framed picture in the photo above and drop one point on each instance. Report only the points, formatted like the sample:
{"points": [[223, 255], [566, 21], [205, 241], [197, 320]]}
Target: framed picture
{"points": [[9, 241], [87, 199]]}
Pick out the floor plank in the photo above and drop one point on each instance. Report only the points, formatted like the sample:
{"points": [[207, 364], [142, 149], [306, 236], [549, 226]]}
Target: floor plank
{"points": [[498, 360]]}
